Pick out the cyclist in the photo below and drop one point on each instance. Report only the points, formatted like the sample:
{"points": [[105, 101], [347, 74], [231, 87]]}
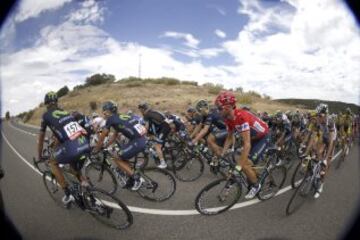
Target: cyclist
{"points": [[131, 129], [177, 126], [324, 134], [193, 120], [282, 127], [71, 145], [254, 133], [157, 125], [296, 124], [213, 129]]}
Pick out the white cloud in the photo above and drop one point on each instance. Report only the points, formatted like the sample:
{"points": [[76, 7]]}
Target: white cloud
{"points": [[306, 59], [315, 54], [32, 8], [220, 33], [190, 40], [91, 12]]}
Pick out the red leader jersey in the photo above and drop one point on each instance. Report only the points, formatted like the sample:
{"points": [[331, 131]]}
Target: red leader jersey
{"points": [[246, 121]]}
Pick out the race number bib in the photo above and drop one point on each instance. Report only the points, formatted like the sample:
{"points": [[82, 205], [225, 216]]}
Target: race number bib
{"points": [[73, 130], [140, 129], [258, 127]]}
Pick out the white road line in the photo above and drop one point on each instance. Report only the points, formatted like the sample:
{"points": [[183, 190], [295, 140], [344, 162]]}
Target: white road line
{"points": [[163, 211], [19, 129]]}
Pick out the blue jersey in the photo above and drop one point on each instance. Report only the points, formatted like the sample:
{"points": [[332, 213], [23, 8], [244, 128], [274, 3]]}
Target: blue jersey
{"points": [[214, 119], [63, 125], [176, 120], [128, 125]]}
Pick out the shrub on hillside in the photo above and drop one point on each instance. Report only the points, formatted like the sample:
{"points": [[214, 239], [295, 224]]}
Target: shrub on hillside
{"points": [[98, 79], [134, 84], [28, 115], [62, 91], [193, 83], [215, 89], [254, 94]]}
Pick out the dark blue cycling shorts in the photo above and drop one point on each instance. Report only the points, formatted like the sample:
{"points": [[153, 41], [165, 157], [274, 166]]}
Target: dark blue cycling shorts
{"points": [[71, 150], [132, 148], [258, 148]]}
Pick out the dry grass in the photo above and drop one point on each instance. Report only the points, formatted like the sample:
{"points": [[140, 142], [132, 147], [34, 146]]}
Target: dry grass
{"points": [[161, 96]]}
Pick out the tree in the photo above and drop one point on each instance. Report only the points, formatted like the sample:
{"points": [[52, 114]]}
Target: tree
{"points": [[62, 91], [7, 115], [98, 79]]}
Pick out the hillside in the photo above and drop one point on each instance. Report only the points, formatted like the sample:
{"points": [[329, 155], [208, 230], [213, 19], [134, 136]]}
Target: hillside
{"points": [[334, 106], [162, 95]]}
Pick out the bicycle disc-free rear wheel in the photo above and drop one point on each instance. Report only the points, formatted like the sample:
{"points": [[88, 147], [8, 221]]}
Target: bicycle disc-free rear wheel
{"points": [[102, 177], [53, 188], [191, 170], [299, 173], [273, 183], [159, 184], [342, 157], [218, 196], [108, 209], [300, 195]]}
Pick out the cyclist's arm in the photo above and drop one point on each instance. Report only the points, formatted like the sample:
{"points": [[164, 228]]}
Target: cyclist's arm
{"points": [[102, 137], [201, 134], [228, 142], [246, 146], [112, 139], [196, 130]]}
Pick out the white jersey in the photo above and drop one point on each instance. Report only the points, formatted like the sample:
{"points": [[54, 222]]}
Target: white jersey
{"points": [[98, 123]]}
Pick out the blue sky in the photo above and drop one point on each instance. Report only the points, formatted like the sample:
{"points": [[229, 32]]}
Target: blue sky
{"points": [[288, 48]]}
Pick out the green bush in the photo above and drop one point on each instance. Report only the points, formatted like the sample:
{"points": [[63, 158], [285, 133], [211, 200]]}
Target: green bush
{"points": [[98, 79], [215, 89], [193, 83], [134, 84], [62, 91]]}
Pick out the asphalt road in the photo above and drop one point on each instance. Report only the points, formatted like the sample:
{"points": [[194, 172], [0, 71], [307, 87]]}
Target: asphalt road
{"points": [[37, 216]]}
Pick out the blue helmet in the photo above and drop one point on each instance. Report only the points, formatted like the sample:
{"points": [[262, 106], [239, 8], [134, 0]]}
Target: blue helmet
{"points": [[110, 106], [50, 97]]}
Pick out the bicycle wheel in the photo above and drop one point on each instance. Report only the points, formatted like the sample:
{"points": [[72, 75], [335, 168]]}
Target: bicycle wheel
{"points": [[191, 170], [141, 159], [299, 173], [273, 183], [177, 159], [53, 188], [218, 196], [300, 194], [159, 184], [101, 176], [107, 209], [342, 157]]}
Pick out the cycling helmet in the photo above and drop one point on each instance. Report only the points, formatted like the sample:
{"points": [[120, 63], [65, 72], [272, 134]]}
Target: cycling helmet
{"points": [[279, 115], [348, 111], [143, 106], [191, 110], [202, 104], [110, 106], [225, 98], [130, 112], [50, 97], [322, 108], [167, 113]]}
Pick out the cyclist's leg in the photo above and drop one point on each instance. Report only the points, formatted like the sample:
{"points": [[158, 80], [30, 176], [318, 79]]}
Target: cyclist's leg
{"points": [[128, 151], [160, 140]]}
